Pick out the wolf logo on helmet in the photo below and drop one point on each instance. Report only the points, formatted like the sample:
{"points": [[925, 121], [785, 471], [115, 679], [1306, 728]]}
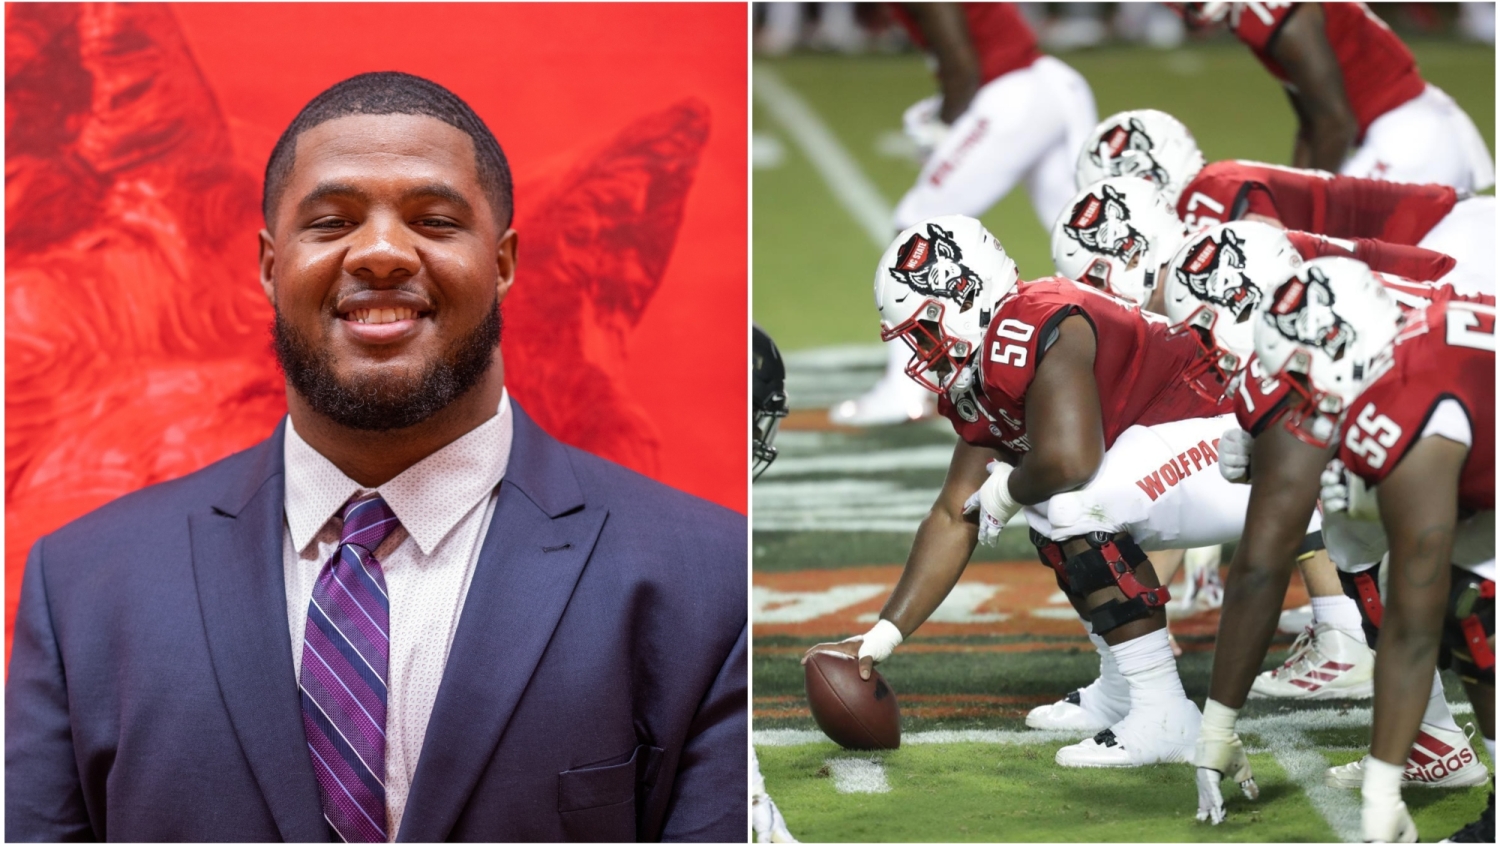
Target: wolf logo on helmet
{"points": [[1103, 226], [1215, 273], [933, 266], [1303, 313], [1127, 149]]}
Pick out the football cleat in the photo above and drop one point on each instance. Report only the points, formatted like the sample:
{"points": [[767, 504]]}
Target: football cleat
{"points": [[1295, 620], [1085, 710], [1325, 664], [1205, 588], [1439, 759], [1147, 736]]}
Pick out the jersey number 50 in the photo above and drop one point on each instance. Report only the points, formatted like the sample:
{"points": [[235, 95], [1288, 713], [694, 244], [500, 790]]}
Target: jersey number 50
{"points": [[1013, 354]]}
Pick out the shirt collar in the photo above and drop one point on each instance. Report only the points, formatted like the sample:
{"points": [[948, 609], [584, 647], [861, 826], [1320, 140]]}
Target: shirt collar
{"points": [[429, 498]]}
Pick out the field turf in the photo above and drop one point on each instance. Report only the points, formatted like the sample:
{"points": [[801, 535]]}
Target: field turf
{"points": [[834, 517]]}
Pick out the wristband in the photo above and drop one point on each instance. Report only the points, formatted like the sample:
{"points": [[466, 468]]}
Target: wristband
{"points": [[880, 642], [1218, 719]]}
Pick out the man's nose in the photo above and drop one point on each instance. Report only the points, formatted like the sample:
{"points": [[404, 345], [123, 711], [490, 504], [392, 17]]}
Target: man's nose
{"points": [[383, 247]]}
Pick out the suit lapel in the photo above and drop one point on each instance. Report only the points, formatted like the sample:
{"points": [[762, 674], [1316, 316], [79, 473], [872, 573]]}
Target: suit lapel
{"points": [[538, 542], [241, 593]]}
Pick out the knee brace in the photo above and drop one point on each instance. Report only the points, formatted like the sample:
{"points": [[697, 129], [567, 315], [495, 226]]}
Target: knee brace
{"points": [[1469, 624], [1051, 554], [1108, 562], [1364, 589]]}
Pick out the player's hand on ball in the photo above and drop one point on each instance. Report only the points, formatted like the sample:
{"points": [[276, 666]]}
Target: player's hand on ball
{"points": [[993, 502], [1217, 760], [877, 645], [1234, 455]]}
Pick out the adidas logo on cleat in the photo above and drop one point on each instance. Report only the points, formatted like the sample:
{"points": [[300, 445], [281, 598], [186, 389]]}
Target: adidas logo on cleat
{"points": [[1327, 673], [1432, 760]]}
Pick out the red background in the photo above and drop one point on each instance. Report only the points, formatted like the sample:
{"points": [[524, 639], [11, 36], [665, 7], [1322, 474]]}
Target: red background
{"points": [[137, 342]]}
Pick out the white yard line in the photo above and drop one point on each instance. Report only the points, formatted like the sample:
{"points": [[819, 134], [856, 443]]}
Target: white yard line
{"points": [[858, 776], [848, 183]]}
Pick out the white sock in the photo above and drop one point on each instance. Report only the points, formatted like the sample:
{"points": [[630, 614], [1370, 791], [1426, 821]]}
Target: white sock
{"points": [[1382, 781], [1489, 744], [1438, 714], [1339, 612], [1113, 691], [1150, 669]]}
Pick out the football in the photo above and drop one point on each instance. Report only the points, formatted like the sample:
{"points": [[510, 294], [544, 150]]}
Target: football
{"points": [[858, 714]]}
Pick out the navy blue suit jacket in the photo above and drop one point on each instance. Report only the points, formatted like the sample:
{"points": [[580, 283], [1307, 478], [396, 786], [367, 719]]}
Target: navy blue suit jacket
{"points": [[595, 690]]}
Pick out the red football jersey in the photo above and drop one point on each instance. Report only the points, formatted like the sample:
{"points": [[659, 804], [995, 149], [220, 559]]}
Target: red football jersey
{"points": [[1450, 354], [1138, 366], [1379, 72], [1314, 201], [1408, 262], [1002, 38], [1259, 400]]}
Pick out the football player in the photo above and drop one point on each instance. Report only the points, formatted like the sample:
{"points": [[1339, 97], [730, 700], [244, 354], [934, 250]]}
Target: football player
{"points": [[1414, 402], [1213, 288], [1353, 84], [1428, 215], [1005, 114], [1117, 235], [1284, 468], [1070, 407], [768, 408]]}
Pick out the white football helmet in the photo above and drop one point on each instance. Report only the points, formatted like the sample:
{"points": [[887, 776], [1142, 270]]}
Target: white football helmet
{"points": [[1116, 236], [936, 288], [1213, 287], [1326, 332], [1201, 14], [1145, 143]]}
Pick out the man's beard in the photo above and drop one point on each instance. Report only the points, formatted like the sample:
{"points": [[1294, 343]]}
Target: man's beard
{"points": [[390, 402]]}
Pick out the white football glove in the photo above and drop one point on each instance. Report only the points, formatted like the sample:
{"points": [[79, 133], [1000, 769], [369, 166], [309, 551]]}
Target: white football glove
{"points": [[1345, 492], [879, 643], [923, 126], [1387, 820], [1234, 455], [1218, 758], [993, 502]]}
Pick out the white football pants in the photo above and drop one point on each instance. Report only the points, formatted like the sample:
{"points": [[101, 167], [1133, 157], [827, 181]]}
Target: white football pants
{"points": [[1468, 234], [1161, 484], [1425, 139], [1029, 124]]}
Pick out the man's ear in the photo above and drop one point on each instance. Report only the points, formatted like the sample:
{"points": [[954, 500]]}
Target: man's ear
{"points": [[267, 263], [505, 262]]}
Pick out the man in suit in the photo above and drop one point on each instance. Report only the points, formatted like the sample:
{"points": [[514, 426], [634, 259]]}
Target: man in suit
{"points": [[409, 614]]}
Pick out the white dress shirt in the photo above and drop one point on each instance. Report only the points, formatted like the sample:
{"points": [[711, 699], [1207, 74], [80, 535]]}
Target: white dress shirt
{"points": [[445, 504]]}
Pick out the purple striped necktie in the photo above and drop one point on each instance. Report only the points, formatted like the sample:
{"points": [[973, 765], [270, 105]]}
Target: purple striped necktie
{"points": [[345, 652]]}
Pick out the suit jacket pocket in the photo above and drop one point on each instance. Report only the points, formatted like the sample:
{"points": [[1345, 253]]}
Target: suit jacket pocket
{"points": [[598, 804]]}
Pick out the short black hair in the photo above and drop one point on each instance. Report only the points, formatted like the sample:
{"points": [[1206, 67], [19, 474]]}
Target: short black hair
{"points": [[393, 92]]}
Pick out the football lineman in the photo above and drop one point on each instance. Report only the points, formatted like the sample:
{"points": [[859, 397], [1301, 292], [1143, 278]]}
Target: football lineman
{"points": [[1285, 467], [1410, 404], [1117, 235], [1070, 407], [768, 408], [1428, 215], [1354, 84], [1005, 114], [1214, 287]]}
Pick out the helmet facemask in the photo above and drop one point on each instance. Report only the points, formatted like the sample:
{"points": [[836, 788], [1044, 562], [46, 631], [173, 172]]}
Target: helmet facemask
{"points": [[937, 356]]}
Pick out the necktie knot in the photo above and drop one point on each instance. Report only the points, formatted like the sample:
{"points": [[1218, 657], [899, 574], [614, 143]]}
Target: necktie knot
{"points": [[367, 522]]}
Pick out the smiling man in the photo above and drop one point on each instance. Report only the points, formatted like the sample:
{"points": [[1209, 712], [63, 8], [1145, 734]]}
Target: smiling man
{"points": [[409, 614]]}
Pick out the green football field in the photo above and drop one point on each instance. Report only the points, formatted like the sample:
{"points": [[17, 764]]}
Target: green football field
{"points": [[834, 516]]}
